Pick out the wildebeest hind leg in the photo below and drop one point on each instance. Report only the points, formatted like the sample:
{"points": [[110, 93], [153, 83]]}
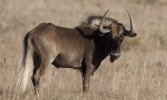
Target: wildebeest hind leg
{"points": [[41, 64]]}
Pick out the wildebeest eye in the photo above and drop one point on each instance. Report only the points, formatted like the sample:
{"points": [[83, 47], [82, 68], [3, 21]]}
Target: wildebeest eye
{"points": [[121, 38]]}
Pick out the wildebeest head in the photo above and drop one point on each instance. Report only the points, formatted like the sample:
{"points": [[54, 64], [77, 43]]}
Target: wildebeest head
{"points": [[113, 30]]}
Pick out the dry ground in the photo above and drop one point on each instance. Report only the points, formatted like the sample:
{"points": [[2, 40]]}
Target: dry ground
{"points": [[139, 74]]}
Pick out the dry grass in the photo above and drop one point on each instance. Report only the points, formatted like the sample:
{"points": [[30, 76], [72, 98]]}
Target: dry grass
{"points": [[139, 74]]}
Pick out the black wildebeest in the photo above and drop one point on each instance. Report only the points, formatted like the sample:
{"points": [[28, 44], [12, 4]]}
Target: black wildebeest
{"points": [[83, 47]]}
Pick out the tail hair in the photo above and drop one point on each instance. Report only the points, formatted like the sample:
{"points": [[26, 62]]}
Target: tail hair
{"points": [[27, 62], [25, 44]]}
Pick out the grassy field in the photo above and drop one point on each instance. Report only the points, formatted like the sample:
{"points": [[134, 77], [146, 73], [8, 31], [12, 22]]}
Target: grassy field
{"points": [[139, 74]]}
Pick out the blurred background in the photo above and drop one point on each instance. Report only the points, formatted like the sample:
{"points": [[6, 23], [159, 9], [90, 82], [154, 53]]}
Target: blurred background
{"points": [[139, 74]]}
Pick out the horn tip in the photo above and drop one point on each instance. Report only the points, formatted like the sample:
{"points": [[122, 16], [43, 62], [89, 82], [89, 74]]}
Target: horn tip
{"points": [[107, 11], [128, 12]]}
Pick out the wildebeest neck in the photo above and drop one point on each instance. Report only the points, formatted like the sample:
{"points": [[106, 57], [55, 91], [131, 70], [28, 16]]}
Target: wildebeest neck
{"points": [[102, 50]]}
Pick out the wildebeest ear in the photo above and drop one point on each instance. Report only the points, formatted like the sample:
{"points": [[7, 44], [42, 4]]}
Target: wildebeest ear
{"points": [[132, 35], [129, 34], [86, 30]]}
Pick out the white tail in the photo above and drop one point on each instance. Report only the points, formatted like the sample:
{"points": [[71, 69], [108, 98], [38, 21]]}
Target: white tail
{"points": [[27, 72], [27, 64]]}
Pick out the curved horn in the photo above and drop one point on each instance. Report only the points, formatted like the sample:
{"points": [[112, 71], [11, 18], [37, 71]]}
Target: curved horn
{"points": [[102, 23], [130, 33], [131, 24]]}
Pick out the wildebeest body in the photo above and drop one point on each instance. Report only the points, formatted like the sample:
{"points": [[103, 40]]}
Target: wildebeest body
{"points": [[83, 47], [68, 47]]}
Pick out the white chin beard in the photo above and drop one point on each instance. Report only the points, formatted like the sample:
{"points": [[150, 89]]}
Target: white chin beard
{"points": [[115, 54]]}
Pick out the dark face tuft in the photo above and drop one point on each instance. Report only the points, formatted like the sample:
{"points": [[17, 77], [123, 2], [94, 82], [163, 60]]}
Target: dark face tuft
{"points": [[115, 48], [117, 36]]}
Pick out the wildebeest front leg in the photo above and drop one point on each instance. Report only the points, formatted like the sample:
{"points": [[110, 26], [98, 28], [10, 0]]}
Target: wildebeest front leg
{"points": [[87, 72]]}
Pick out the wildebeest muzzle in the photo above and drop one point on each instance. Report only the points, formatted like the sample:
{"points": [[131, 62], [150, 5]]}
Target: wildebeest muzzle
{"points": [[114, 55]]}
